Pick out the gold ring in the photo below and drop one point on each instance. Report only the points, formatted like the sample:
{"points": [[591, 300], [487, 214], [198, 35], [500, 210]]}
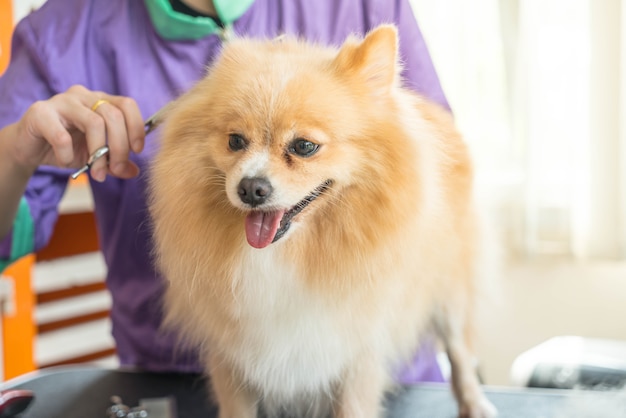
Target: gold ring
{"points": [[99, 103]]}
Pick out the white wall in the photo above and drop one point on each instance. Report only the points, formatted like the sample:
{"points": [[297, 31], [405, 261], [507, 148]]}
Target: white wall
{"points": [[22, 7]]}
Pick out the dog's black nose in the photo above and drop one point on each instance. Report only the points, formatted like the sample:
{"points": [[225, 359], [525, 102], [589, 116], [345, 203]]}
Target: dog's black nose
{"points": [[254, 190]]}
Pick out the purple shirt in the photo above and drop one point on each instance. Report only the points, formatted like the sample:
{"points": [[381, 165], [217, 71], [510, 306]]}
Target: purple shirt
{"points": [[111, 46]]}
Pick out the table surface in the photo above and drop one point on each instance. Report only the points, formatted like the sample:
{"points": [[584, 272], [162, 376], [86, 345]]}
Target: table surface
{"points": [[77, 392]]}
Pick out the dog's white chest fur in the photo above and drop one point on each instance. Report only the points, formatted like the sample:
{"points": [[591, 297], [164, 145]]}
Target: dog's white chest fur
{"points": [[289, 343]]}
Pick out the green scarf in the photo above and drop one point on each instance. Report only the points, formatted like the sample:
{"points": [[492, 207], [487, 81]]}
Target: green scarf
{"points": [[176, 26]]}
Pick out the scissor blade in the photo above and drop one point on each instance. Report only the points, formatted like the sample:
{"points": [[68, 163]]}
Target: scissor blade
{"points": [[155, 120]]}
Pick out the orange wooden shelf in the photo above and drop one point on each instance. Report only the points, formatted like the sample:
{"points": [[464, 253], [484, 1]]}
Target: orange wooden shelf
{"points": [[6, 29]]}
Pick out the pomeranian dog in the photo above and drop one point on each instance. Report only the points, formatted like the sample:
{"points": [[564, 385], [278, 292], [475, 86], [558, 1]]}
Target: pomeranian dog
{"points": [[322, 223]]}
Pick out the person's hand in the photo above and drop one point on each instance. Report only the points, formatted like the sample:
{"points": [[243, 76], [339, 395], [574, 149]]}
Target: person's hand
{"points": [[65, 129]]}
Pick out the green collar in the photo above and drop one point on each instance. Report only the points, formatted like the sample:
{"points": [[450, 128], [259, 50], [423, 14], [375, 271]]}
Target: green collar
{"points": [[178, 26]]}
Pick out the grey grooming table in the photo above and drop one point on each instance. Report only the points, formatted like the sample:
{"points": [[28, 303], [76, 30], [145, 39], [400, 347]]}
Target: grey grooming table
{"points": [[77, 392]]}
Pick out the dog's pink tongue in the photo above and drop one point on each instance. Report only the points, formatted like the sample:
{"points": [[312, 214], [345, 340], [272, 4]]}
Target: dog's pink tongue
{"points": [[261, 227]]}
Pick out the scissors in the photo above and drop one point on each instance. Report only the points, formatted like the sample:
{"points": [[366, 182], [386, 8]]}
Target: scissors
{"points": [[149, 125]]}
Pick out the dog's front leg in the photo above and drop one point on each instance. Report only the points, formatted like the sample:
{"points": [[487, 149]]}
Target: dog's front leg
{"points": [[360, 393], [455, 329], [234, 398]]}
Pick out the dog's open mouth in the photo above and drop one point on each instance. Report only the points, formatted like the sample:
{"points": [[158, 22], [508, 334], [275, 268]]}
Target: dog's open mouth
{"points": [[265, 228]]}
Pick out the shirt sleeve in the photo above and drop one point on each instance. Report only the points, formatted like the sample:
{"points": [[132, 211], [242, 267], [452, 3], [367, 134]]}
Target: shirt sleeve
{"points": [[26, 80], [419, 72]]}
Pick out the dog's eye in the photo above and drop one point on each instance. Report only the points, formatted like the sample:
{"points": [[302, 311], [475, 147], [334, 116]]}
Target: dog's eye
{"points": [[237, 142], [303, 148]]}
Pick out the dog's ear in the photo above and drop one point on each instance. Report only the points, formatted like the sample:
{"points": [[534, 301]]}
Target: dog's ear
{"points": [[374, 59]]}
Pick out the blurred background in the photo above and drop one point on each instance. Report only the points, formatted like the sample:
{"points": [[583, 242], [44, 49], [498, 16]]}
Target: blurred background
{"points": [[538, 89]]}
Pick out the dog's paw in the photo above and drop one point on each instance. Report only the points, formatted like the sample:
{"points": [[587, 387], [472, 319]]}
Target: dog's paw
{"points": [[479, 408]]}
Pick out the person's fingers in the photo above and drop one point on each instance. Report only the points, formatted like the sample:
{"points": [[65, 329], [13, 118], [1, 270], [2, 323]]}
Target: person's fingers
{"points": [[100, 120], [117, 140], [44, 122], [122, 127], [134, 121], [76, 114]]}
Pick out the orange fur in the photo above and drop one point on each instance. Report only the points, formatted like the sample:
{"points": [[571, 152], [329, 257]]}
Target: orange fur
{"points": [[319, 318]]}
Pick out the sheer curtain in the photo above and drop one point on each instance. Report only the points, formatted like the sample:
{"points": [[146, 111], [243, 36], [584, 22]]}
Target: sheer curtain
{"points": [[537, 87]]}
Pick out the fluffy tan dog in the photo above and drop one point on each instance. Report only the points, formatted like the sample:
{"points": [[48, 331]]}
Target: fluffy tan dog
{"points": [[322, 223]]}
